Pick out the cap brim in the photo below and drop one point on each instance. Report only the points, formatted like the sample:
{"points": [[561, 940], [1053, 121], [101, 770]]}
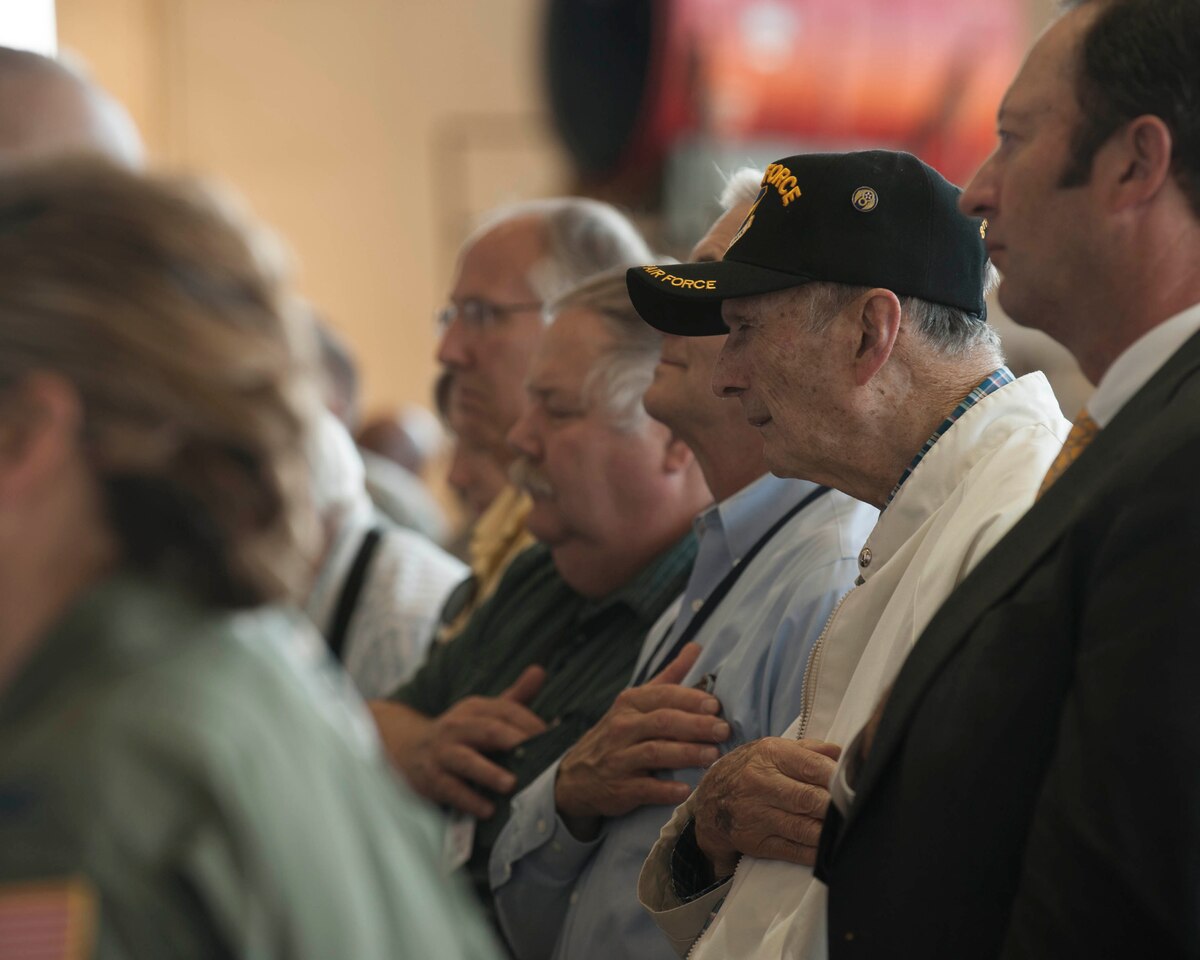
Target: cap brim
{"points": [[685, 298]]}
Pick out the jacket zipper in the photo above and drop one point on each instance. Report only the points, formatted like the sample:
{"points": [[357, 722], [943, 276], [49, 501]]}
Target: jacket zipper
{"points": [[812, 671], [712, 917]]}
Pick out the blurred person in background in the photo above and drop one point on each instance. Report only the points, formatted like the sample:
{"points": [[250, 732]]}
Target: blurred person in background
{"points": [[477, 473], [47, 108], [614, 494], [398, 492], [518, 260], [478, 460], [379, 588], [409, 437], [182, 771]]}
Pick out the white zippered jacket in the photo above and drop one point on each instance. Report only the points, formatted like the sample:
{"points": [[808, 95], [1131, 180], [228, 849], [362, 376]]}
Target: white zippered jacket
{"points": [[969, 489]]}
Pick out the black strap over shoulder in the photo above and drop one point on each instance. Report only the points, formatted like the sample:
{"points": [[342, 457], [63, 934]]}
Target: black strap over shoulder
{"points": [[718, 592], [348, 599]]}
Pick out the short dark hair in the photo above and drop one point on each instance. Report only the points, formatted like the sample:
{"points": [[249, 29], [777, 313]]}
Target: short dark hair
{"points": [[1139, 57]]}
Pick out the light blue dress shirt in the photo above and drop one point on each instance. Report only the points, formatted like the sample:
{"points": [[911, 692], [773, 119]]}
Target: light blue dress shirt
{"points": [[559, 897]]}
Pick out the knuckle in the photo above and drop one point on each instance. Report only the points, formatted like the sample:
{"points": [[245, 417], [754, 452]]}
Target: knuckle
{"points": [[628, 697], [809, 833]]}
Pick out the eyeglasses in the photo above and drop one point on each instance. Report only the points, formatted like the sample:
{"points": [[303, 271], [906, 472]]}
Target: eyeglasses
{"points": [[479, 315]]}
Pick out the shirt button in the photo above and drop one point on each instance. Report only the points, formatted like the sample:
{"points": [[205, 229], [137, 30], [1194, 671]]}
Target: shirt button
{"points": [[696, 605], [556, 847], [519, 752], [541, 825], [574, 898], [864, 558]]}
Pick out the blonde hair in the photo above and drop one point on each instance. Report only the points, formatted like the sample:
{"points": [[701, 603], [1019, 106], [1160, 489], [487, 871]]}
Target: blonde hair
{"points": [[168, 315]]}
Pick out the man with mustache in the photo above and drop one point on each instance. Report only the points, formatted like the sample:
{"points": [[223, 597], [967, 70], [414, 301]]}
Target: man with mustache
{"points": [[775, 555], [1031, 787], [853, 296], [613, 495], [518, 260]]}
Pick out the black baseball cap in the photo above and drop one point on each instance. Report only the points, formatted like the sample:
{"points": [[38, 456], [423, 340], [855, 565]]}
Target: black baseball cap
{"points": [[874, 218]]}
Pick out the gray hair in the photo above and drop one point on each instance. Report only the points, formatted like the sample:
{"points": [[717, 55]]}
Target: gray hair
{"points": [[625, 369], [741, 186], [946, 330], [584, 237]]}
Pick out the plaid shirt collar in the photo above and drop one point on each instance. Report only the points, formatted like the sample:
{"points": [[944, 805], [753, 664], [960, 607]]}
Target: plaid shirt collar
{"points": [[990, 384]]}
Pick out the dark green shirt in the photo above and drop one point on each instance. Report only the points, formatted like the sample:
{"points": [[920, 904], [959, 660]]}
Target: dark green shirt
{"points": [[588, 647], [214, 785]]}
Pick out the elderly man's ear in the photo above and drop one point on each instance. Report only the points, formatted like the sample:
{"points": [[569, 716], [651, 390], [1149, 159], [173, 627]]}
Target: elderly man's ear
{"points": [[39, 423], [877, 313]]}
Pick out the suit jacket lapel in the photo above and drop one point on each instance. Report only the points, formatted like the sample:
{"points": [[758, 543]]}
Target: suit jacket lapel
{"points": [[1016, 554]]}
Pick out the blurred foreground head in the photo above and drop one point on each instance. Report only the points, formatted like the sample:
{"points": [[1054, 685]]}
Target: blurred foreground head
{"points": [[47, 108], [154, 386]]}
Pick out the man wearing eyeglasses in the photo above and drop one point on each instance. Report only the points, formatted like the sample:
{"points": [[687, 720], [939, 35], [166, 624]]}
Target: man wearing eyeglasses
{"points": [[518, 259]]}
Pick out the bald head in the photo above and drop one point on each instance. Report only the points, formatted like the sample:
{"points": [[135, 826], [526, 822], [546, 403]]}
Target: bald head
{"points": [[46, 109]]}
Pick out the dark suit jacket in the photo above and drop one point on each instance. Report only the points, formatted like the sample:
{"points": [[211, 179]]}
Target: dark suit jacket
{"points": [[1034, 785]]}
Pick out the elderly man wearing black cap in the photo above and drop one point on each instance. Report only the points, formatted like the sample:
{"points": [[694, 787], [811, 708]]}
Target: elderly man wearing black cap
{"points": [[853, 296]]}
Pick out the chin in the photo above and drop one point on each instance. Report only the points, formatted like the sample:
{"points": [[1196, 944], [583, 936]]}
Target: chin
{"points": [[547, 527]]}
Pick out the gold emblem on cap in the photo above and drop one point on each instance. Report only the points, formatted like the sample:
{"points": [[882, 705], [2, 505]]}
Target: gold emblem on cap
{"points": [[983, 229], [749, 219], [865, 199]]}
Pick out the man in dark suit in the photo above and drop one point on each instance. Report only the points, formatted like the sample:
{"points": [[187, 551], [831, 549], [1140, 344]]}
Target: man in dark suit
{"points": [[1031, 785]]}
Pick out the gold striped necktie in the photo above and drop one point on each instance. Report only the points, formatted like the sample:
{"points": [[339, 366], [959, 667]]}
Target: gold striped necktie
{"points": [[1082, 433]]}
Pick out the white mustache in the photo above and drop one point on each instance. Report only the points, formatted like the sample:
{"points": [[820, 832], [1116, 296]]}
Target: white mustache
{"points": [[530, 479]]}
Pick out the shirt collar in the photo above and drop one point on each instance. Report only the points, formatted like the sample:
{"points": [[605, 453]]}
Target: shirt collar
{"points": [[989, 384], [1139, 362], [654, 587], [743, 518]]}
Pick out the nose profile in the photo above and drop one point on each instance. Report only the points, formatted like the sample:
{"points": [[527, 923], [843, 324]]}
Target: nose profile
{"points": [[522, 438], [979, 197], [727, 379], [452, 349]]}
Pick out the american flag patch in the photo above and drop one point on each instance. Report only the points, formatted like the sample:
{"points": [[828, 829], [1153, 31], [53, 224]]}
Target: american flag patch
{"points": [[47, 920]]}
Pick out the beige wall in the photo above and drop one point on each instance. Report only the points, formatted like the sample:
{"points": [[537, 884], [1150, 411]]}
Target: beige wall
{"points": [[367, 132]]}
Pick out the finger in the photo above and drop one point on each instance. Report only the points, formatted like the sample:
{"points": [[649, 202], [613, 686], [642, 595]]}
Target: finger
{"points": [[801, 763], [527, 685], [831, 750], [798, 799], [654, 697], [484, 733], [496, 708], [677, 669], [452, 792], [471, 765], [669, 755], [766, 823], [781, 848], [650, 791], [675, 725]]}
